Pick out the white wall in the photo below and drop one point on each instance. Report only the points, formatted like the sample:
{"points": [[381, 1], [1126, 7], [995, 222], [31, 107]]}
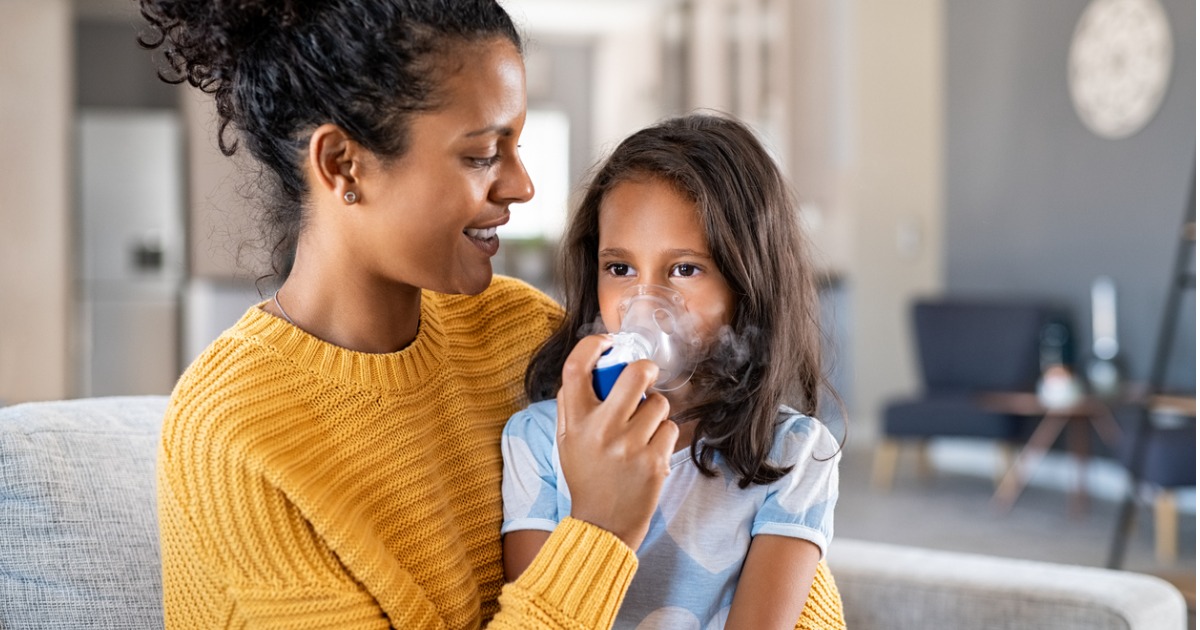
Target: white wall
{"points": [[36, 45]]}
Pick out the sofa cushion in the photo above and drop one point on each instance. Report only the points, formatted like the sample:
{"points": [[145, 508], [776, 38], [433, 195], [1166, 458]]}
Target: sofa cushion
{"points": [[947, 416], [892, 587], [78, 528]]}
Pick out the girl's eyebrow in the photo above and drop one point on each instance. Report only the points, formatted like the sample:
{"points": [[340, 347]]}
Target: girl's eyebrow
{"points": [[618, 252], [687, 253]]}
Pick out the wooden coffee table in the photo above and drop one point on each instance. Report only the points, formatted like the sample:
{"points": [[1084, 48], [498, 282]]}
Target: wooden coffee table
{"points": [[1090, 413]]}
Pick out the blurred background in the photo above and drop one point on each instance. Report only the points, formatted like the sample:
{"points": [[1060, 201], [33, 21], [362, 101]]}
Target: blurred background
{"points": [[943, 151]]}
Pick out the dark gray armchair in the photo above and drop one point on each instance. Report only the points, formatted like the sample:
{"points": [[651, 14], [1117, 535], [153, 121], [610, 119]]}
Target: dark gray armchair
{"points": [[964, 347]]}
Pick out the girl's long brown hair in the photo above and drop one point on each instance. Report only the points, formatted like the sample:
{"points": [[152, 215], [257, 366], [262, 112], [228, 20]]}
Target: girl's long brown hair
{"points": [[772, 355]]}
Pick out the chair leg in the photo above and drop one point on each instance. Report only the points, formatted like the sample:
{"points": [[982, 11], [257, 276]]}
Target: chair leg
{"points": [[1166, 530], [884, 471], [924, 464], [1004, 461]]}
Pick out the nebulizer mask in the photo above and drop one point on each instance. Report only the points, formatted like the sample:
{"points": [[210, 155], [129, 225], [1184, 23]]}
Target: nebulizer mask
{"points": [[654, 325]]}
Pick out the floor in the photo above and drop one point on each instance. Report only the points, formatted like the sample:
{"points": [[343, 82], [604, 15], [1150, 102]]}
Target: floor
{"points": [[950, 510]]}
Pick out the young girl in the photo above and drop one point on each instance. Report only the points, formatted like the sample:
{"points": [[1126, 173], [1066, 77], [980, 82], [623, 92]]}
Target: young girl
{"points": [[696, 207]]}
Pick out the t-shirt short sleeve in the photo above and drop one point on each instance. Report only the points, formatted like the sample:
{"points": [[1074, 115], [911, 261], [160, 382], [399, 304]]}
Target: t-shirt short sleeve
{"points": [[530, 483], [801, 503]]}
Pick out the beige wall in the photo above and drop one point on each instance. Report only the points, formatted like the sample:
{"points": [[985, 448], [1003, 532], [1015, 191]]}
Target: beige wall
{"points": [[820, 127], [894, 190], [36, 175], [866, 160]]}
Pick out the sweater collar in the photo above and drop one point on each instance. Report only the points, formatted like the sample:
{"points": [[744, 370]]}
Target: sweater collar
{"points": [[388, 371]]}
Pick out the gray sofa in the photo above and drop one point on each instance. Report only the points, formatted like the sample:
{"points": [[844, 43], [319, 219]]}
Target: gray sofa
{"points": [[79, 545]]}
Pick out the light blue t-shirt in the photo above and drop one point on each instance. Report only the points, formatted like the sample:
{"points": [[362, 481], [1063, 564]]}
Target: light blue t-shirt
{"points": [[700, 534]]}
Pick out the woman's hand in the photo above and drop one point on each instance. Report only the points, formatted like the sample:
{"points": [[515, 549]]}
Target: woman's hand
{"points": [[615, 454]]}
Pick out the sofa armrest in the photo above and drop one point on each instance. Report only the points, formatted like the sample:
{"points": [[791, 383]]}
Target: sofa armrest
{"points": [[890, 587], [78, 531]]}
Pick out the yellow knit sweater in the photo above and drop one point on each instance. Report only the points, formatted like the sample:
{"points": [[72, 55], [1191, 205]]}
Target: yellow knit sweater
{"points": [[303, 485]]}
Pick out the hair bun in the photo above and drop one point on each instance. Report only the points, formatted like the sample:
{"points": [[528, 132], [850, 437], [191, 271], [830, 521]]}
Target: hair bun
{"points": [[202, 39]]}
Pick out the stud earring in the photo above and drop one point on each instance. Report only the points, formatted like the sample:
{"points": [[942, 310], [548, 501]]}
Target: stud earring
{"points": [[350, 197]]}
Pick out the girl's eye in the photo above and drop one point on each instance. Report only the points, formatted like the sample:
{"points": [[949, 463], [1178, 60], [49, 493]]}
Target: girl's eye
{"points": [[684, 270], [619, 269]]}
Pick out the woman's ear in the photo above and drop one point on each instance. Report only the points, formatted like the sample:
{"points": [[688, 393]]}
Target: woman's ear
{"points": [[335, 164]]}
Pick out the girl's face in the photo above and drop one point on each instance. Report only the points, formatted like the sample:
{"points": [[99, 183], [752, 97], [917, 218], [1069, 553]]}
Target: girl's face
{"points": [[441, 202], [651, 234]]}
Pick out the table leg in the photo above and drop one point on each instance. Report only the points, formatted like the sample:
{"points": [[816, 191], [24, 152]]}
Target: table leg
{"points": [[1107, 427], [1048, 429], [1079, 443]]}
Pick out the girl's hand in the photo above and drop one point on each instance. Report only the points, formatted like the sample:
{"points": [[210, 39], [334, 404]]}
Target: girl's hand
{"points": [[615, 454]]}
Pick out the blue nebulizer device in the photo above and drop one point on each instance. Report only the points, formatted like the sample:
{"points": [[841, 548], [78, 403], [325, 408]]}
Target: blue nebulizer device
{"points": [[654, 325]]}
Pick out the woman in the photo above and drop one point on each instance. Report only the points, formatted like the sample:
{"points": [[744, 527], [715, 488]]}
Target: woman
{"points": [[333, 459]]}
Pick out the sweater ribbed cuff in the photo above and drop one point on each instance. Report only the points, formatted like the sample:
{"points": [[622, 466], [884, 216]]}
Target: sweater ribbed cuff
{"points": [[583, 571]]}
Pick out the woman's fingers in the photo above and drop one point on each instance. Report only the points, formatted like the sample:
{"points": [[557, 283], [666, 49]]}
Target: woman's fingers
{"points": [[577, 394], [615, 454], [666, 433], [631, 386], [576, 397], [582, 359], [643, 423]]}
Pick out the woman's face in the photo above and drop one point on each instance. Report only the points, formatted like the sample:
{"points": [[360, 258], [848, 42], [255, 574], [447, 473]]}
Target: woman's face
{"points": [[441, 202], [651, 234]]}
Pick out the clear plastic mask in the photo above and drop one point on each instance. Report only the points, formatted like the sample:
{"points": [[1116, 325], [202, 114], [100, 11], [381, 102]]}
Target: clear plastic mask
{"points": [[655, 325]]}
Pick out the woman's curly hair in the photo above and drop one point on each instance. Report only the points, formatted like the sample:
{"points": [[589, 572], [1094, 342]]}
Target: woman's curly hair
{"points": [[279, 69]]}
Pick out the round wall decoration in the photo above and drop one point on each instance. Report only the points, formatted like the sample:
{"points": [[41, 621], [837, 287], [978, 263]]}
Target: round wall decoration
{"points": [[1119, 66]]}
